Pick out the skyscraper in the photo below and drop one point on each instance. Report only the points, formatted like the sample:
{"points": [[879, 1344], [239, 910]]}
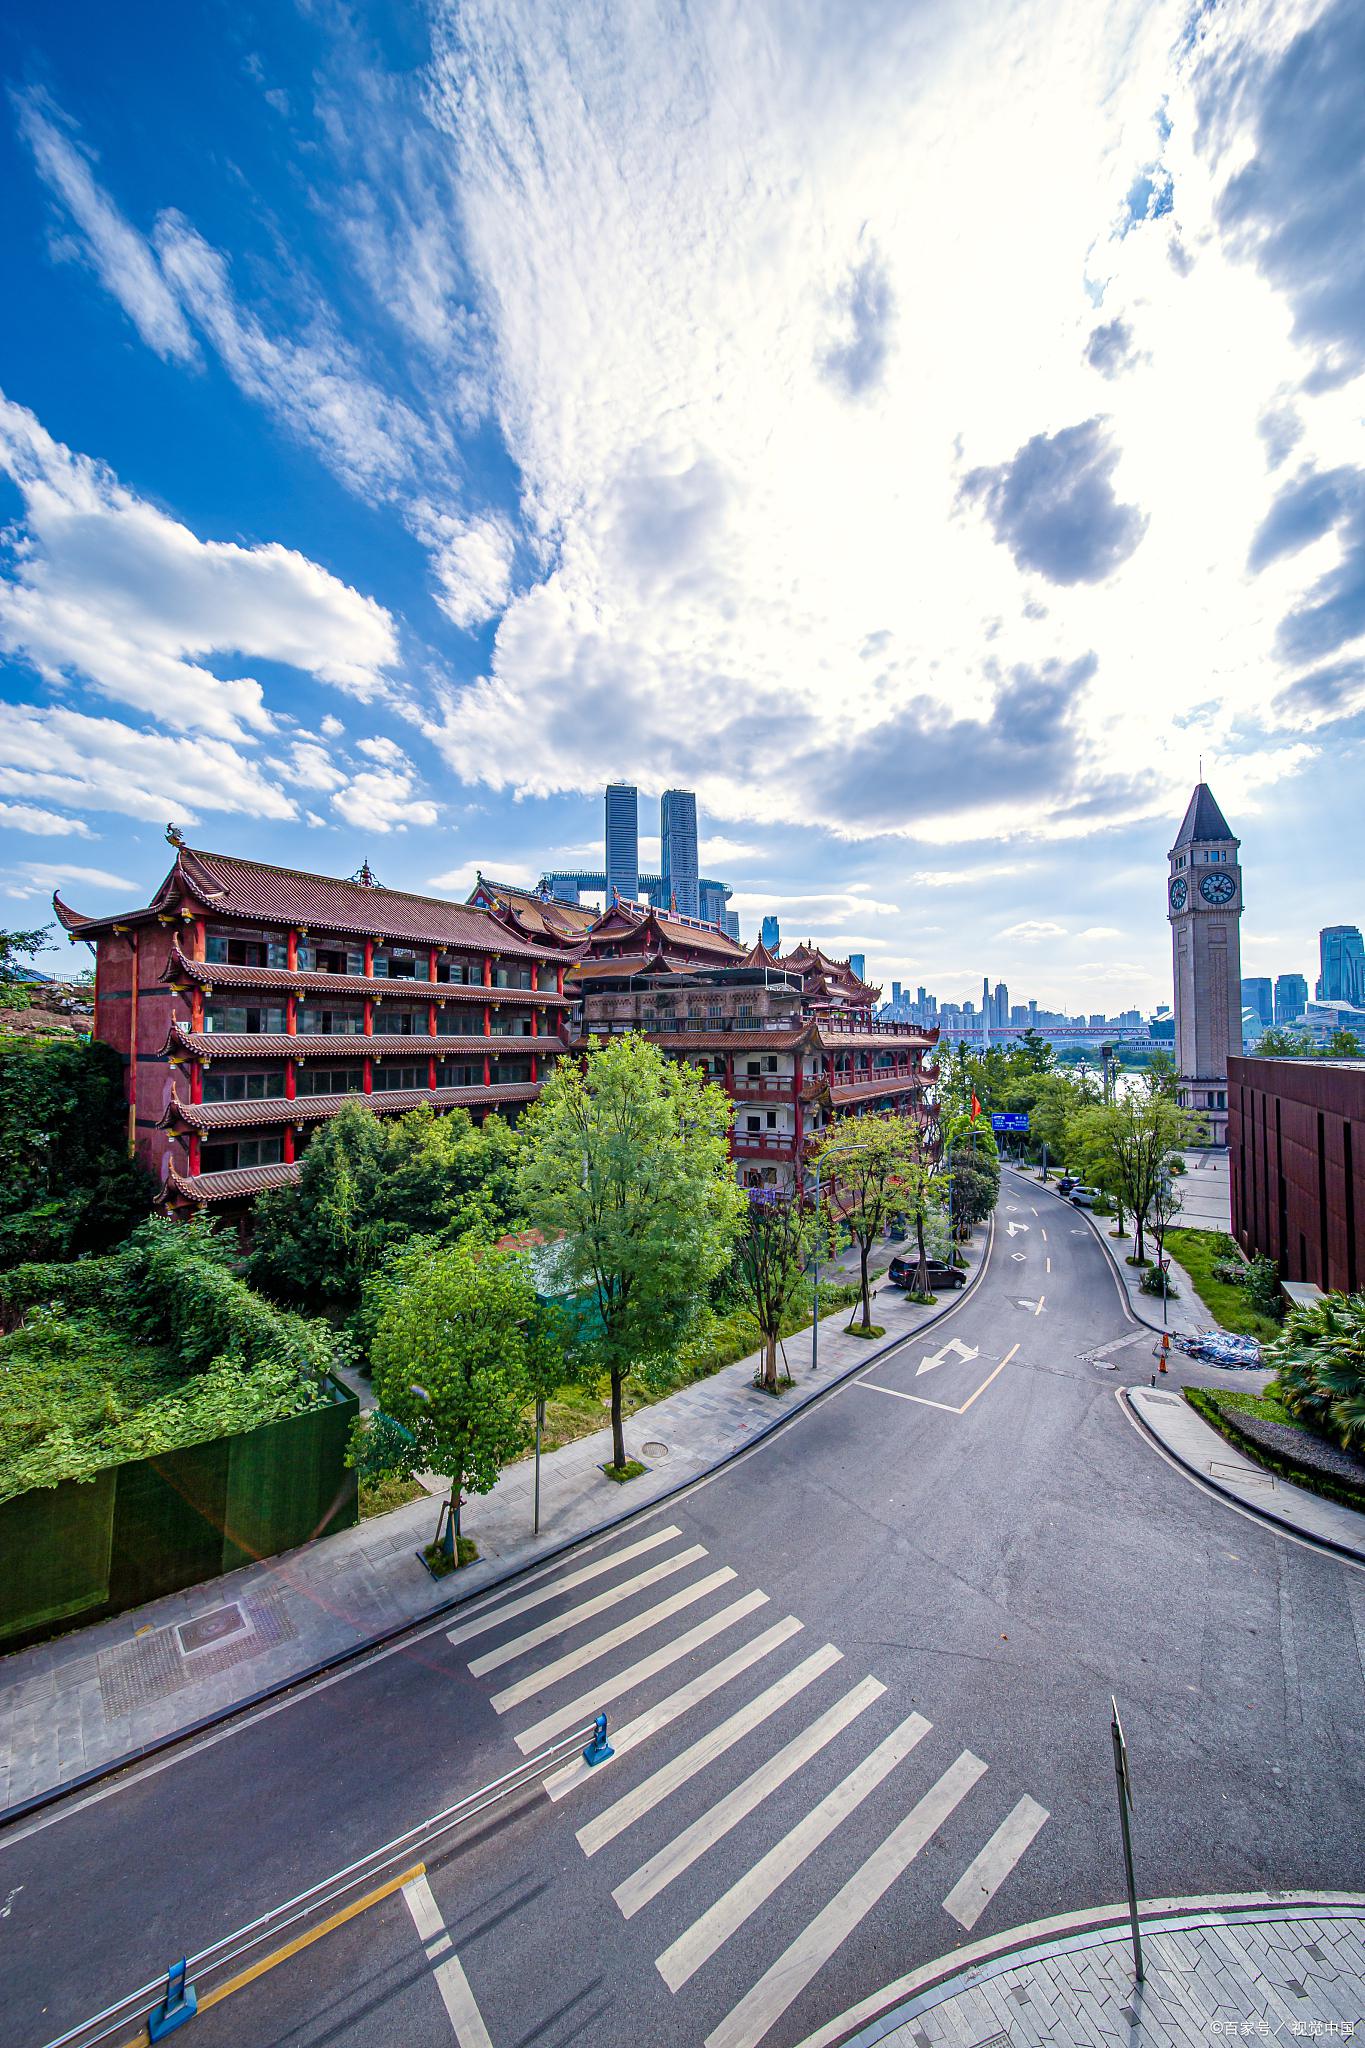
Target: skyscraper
{"points": [[623, 841], [678, 850], [858, 962], [713, 897], [1204, 904], [771, 934], [1291, 998], [1342, 960], [1257, 996], [1002, 1004]]}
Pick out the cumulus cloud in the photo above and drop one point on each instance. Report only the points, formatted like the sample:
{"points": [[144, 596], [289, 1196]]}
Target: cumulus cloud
{"points": [[384, 799], [42, 824], [1053, 505], [1101, 931], [472, 562], [1332, 611], [100, 764], [107, 587], [864, 313], [40, 878], [1110, 348], [1031, 931]]}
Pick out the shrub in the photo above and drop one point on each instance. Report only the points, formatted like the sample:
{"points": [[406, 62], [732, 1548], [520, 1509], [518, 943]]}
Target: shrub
{"points": [[1154, 1281], [1262, 1285], [1320, 1363]]}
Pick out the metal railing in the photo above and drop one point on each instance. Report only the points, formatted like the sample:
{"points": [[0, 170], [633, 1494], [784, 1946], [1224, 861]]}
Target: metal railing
{"points": [[140, 2007]]}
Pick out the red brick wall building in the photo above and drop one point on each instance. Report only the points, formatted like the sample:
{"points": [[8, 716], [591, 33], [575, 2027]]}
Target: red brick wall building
{"points": [[1296, 1153]]}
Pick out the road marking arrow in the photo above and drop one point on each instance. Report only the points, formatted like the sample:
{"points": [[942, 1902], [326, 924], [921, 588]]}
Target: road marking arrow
{"points": [[1015, 1228], [955, 1347], [1018, 1257], [1034, 1307]]}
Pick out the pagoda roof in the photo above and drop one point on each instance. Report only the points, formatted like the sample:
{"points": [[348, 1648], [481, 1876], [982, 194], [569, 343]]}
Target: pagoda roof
{"points": [[302, 1045], [657, 929], [536, 913], [1203, 819], [759, 956], [279, 981], [236, 1183], [249, 890], [304, 1109]]}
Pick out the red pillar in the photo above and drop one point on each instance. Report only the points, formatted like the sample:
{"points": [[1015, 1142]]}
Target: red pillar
{"points": [[559, 981], [289, 1144], [196, 1009], [431, 1020], [291, 1079], [369, 958], [197, 1081], [487, 1071], [535, 1023], [535, 1068], [488, 973], [488, 1020], [368, 1083], [291, 957], [431, 1073], [291, 1012], [369, 1018], [194, 1151], [198, 942], [431, 964]]}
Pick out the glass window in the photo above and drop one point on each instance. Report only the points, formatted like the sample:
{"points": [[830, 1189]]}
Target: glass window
{"points": [[223, 1157], [458, 1074], [511, 977], [312, 1018], [330, 1080], [390, 1076], [512, 1070], [221, 1084], [456, 970], [243, 1017], [394, 1023]]}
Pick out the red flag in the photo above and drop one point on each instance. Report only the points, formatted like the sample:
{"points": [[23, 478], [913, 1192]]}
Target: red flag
{"points": [[976, 1107]]}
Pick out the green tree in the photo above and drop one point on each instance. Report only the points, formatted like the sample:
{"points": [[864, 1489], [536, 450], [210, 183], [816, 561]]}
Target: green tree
{"points": [[629, 1159], [771, 1254], [1131, 1142], [67, 1186], [867, 1162], [1320, 1363], [451, 1373], [1342, 1045], [15, 949], [973, 1182], [1279, 1043]]}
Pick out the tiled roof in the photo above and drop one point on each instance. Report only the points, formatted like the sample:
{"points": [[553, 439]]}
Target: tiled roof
{"points": [[862, 1040], [306, 1109], [229, 887], [869, 1086], [232, 1185], [1203, 819], [755, 1040], [540, 913], [223, 974], [348, 1044]]}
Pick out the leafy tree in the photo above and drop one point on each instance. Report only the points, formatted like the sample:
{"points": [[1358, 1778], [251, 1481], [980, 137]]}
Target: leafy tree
{"points": [[629, 1159], [368, 1184], [1131, 1142], [67, 1186], [973, 1183], [1060, 1096], [450, 1368], [1320, 1363], [868, 1162], [17, 947], [1342, 1045], [771, 1254], [1279, 1043]]}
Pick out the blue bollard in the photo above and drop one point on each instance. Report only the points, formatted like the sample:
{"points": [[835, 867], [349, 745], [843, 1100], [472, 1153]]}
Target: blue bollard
{"points": [[599, 1749], [180, 2004]]}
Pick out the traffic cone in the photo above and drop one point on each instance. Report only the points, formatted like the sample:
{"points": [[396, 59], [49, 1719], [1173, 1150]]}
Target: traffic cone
{"points": [[1165, 1347]]}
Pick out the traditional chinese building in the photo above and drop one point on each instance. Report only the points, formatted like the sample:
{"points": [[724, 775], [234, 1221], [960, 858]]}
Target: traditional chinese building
{"points": [[250, 1003]]}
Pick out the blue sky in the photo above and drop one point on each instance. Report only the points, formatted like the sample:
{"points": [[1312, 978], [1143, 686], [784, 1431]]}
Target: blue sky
{"points": [[925, 432]]}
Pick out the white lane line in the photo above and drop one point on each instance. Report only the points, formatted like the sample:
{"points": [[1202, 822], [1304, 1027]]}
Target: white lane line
{"points": [[632, 1733], [602, 1646], [609, 1689], [560, 1624], [1032, 1211], [781, 1985], [985, 1874], [491, 1617], [701, 1940], [682, 1852], [606, 1826], [451, 1980], [1044, 1237], [1048, 1263]]}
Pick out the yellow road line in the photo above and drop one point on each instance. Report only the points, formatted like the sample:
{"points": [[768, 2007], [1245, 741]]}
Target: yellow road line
{"points": [[985, 1383], [292, 1948]]}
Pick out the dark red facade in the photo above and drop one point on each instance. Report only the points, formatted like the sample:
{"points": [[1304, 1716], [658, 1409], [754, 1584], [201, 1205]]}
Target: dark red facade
{"points": [[1296, 1153]]}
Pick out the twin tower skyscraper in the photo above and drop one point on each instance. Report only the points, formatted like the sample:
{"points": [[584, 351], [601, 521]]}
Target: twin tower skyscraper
{"points": [[680, 872]]}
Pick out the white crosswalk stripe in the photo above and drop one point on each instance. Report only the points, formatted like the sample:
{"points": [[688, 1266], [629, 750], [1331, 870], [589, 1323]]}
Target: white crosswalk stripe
{"points": [[985, 1874], [493, 1617], [701, 1940], [780, 1985], [602, 1646], [682, 1852], [662, 1715], [639, 1673], [644, 1798], [561, 1624]]}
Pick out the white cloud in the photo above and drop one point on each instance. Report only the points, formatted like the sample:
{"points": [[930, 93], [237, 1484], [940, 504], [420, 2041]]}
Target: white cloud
{"points": [[100, 764], [1101, 931], [332, 728], [107, 587], [383, 800], [40, 878], [472, 560], [962, 878], [125, 264], [813, 906], [1031, 931], [311, 766], [381, 748], [43, 824]]}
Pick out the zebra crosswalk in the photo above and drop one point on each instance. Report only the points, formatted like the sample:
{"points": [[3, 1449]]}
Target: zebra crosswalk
{"points": [[770, 1745]]}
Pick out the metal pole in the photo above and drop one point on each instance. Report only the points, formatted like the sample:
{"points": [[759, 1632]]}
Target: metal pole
{"points": [[540, 1424], [1125, 1801], [815, 1308]]}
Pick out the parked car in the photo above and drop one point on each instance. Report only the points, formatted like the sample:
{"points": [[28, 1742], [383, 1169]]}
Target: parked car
{"points": [[904, 1272], [1084, 1197], [1066, 1182]]}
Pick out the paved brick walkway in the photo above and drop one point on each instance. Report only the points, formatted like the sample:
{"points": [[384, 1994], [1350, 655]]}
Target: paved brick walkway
{"points": [[87, 1700], [1214, 1972]]}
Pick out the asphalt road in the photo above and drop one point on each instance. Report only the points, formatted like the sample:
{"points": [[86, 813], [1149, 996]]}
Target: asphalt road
{"points": [[983, 1542]]}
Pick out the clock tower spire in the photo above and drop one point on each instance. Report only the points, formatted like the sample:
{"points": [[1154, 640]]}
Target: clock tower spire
{"points": [[1204, 906]]}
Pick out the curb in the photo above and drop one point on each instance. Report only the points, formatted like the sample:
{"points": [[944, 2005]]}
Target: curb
{"points": [[1258, 1513], [39, 1802], [936, 1982], [1101, 1237]]}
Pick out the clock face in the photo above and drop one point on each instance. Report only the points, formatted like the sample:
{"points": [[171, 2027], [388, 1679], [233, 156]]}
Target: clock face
{"points": [[1217, 888], [1179, 893]]}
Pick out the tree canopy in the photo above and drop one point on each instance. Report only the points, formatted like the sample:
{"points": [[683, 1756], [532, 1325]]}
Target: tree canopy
{"points": [[870, 1165], [67, 1186], [629, 1160]]}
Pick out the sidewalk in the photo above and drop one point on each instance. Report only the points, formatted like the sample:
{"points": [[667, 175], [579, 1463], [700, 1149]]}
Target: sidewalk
{"points": [[1194, 1444], [1279, 1967], [85, 1701], [1185, 1313]]}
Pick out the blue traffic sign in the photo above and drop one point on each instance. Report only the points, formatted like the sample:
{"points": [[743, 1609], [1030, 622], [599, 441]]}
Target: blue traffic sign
{"points": [[1009, 1120]]}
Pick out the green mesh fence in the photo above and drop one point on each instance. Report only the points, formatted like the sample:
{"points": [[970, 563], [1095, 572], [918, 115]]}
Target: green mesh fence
{"points": [[85, 1549]]}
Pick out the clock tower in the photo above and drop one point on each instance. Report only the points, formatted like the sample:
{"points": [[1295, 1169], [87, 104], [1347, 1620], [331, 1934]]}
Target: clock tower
{"points": [[1204, 905]]}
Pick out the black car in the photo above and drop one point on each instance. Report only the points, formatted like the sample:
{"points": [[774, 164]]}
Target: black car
{"points": [[904, 1273], [1066, 1183]]}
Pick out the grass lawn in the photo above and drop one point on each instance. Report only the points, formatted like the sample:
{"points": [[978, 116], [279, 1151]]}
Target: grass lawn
{"points": [[1199, 1251], [380, 1496]]}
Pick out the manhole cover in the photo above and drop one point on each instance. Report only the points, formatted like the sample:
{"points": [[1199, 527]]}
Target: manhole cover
{"points": [[656, 1450], [211, 1628]]}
